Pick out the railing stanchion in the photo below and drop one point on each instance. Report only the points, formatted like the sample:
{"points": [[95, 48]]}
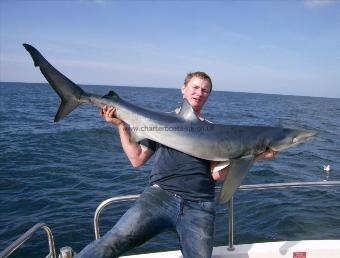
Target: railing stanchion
{"points": [[231, 224]]}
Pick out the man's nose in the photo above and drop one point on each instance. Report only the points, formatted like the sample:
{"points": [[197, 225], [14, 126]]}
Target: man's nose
{"points": [[199, 92]]}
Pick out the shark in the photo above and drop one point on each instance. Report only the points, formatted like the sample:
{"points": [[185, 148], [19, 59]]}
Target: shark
{"points": [[233, 145]]}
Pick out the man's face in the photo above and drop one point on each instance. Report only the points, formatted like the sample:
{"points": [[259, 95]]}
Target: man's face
{"points": [[196, 92]]}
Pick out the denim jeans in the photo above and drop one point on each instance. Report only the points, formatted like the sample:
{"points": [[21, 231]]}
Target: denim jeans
{"points": [[155, 211]]}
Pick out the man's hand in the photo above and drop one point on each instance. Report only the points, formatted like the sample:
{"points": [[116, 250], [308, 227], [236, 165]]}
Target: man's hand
{"points": [[109, 114], [268, 154]]}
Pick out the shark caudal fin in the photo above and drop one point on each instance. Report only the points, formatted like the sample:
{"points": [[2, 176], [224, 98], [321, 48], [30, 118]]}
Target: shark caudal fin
{"points": [[69, 92]]}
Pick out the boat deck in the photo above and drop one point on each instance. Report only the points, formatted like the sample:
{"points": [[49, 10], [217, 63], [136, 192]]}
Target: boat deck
{"points": [[283, 249]]}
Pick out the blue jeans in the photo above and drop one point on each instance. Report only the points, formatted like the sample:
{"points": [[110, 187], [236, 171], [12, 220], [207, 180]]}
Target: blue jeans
{"points": [[155, 211]]}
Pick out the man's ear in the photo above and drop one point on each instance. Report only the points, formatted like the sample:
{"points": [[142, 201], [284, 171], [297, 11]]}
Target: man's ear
{"points": [[182, 88]]}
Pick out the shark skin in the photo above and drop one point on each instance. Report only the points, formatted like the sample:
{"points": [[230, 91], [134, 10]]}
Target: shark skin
{"points": [[238, 145]]}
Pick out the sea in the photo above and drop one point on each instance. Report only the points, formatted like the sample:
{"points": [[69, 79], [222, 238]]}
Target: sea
{"points": [[58, 173]]}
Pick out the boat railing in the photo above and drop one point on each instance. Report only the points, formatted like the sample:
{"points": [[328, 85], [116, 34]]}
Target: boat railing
{"points": [[68, 252], [230, 204], [107, 202], [27, 235]]}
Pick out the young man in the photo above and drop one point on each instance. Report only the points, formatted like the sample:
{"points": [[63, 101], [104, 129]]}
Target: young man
{"points": [[180, 194]]}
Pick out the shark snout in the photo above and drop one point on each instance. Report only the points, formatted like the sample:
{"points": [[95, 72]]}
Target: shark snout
{"points": [[303, 135], [292, 137]]}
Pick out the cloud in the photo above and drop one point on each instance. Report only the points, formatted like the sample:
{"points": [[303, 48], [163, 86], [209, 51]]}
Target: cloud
{"points": [[101, 1], [319, 3], [95, 2]]}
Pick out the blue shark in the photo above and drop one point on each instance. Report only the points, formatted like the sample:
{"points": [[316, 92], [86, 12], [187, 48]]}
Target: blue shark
{"points": [[236, 145]]}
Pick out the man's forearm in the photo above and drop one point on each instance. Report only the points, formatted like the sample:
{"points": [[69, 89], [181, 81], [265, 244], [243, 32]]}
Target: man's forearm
{"points": [[132, 150]]}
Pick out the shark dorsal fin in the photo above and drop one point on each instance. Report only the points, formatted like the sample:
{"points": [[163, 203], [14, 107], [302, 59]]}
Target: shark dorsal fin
{"points": [[187, 112], [112, 95]]}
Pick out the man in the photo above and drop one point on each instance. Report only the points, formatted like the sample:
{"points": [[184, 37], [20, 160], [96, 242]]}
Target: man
{"points": [[180, 194]]}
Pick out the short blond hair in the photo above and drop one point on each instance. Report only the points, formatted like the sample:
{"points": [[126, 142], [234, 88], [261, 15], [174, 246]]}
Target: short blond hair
{"points": [[201, 75]]}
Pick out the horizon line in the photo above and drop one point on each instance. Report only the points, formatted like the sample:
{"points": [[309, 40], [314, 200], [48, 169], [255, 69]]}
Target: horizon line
{"points": [[170, 88]]}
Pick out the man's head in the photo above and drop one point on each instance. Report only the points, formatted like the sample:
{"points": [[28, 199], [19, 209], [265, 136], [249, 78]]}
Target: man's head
{"points": [[201, 75], [196, 89]]}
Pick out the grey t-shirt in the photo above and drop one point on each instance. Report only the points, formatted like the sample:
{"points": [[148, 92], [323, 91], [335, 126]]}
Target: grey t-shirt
{"points": [[182, 174]]}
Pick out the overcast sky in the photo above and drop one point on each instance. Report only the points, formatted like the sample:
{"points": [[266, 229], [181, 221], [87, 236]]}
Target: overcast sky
{"points": [[283, 47]]}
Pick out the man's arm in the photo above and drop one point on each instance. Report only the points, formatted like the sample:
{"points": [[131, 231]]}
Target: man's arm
{"points": [[136, 153]]}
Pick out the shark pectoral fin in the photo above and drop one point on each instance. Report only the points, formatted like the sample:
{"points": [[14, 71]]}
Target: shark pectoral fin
{"points": [[238, 169]]}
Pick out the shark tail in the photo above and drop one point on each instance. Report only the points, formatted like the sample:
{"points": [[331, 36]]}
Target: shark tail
{"points": [[69, 92]]}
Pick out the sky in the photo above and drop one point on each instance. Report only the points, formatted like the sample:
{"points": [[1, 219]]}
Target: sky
{"points": [[278, 47]]}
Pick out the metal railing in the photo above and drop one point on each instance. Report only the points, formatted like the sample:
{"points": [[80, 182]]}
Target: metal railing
{"points": [[105, 203], [230, 202], [27, 235]]}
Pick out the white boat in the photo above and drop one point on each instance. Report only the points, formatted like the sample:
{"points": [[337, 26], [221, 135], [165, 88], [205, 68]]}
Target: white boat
{"points": [[281, 249]]}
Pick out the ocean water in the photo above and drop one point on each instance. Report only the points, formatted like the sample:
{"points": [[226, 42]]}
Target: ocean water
{"points": [[58, 173]]}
